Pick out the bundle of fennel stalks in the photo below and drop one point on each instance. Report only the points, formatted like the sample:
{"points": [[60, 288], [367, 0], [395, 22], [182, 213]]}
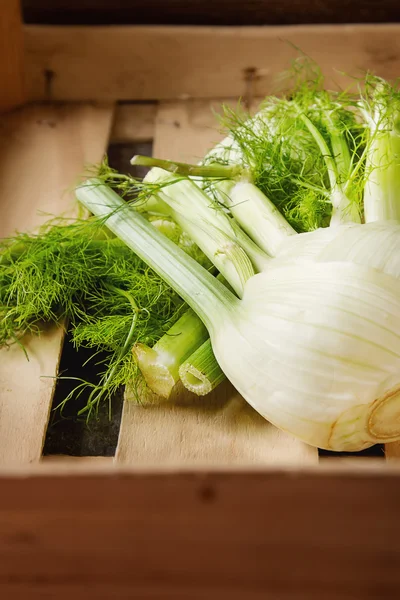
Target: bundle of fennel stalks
{"points": [[275, 262]]}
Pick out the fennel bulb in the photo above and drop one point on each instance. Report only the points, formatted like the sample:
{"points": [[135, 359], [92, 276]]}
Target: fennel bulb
{"points": [[321, 130], [313, 347]]}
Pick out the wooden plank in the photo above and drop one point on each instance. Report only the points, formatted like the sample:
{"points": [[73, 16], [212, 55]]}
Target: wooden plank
{"points": [[277, 535], [392, 451], [11, 56], [43, 150], [209, 12], [187, 130], [221, 429], [145, 63], [108, 466], [133, 123], [77, 462]]}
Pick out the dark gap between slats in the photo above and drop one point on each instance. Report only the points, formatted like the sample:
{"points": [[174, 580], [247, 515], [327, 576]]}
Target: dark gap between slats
{"points": [[377, 451], [65, 433], [203, 12]]}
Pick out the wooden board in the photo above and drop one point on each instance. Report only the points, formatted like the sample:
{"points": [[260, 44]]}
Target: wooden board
{"points": [[133, 122], [392, 451], [43, 151], [221, 429], [317, 535], [151, 63], [11, 56], [187, 130]]}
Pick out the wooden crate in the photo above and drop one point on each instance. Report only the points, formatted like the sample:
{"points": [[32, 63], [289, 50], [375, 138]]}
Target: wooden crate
{"points": [[206, 499]]}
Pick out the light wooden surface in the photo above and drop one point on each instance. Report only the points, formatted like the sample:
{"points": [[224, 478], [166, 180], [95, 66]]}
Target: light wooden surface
{"points": [[221, 429], [11, 55], [392, 452], [58, 462], [134, 122], [43, 151], [237, 535], [150, 63], [187, 130]]}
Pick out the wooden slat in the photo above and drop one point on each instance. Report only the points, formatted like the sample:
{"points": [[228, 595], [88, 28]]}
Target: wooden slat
{"points": [[61, 465], [187, 130], [133, 123], [43, 151], [392, 451], [145, 63], [221, 429], [86, 463], [244, 535], [11, 56]]}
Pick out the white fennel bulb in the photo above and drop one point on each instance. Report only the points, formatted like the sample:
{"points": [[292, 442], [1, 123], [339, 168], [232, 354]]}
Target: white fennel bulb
{"points": [[375, 244], [314, 347], [316, 350]]}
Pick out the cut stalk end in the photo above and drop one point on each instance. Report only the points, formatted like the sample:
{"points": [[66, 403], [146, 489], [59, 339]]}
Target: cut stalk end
{"points": [[157, 375], [201, 373]]}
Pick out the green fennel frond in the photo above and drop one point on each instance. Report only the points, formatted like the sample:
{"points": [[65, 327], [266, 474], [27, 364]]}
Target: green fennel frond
{"points": [[78, 273]]}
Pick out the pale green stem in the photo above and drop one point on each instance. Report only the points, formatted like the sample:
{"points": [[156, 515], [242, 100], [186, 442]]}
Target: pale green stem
{"points": [[160, 364], [162, 204], [341, 152], [209, 298], [348, 210], [201, 373], [209, 228], [226, 254], [343, 209], [382, 189], [257, 215], [258, 257], [324, 149], [188, 170]]}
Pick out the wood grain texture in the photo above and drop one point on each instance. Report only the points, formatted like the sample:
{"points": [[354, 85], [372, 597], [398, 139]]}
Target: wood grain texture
{"points": [[11, 56], [133, 123], [220, 429], [77, 462], [278, 535], [392, 452], [210, 12], [43, 152], [187, 130], [151, 63]]}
